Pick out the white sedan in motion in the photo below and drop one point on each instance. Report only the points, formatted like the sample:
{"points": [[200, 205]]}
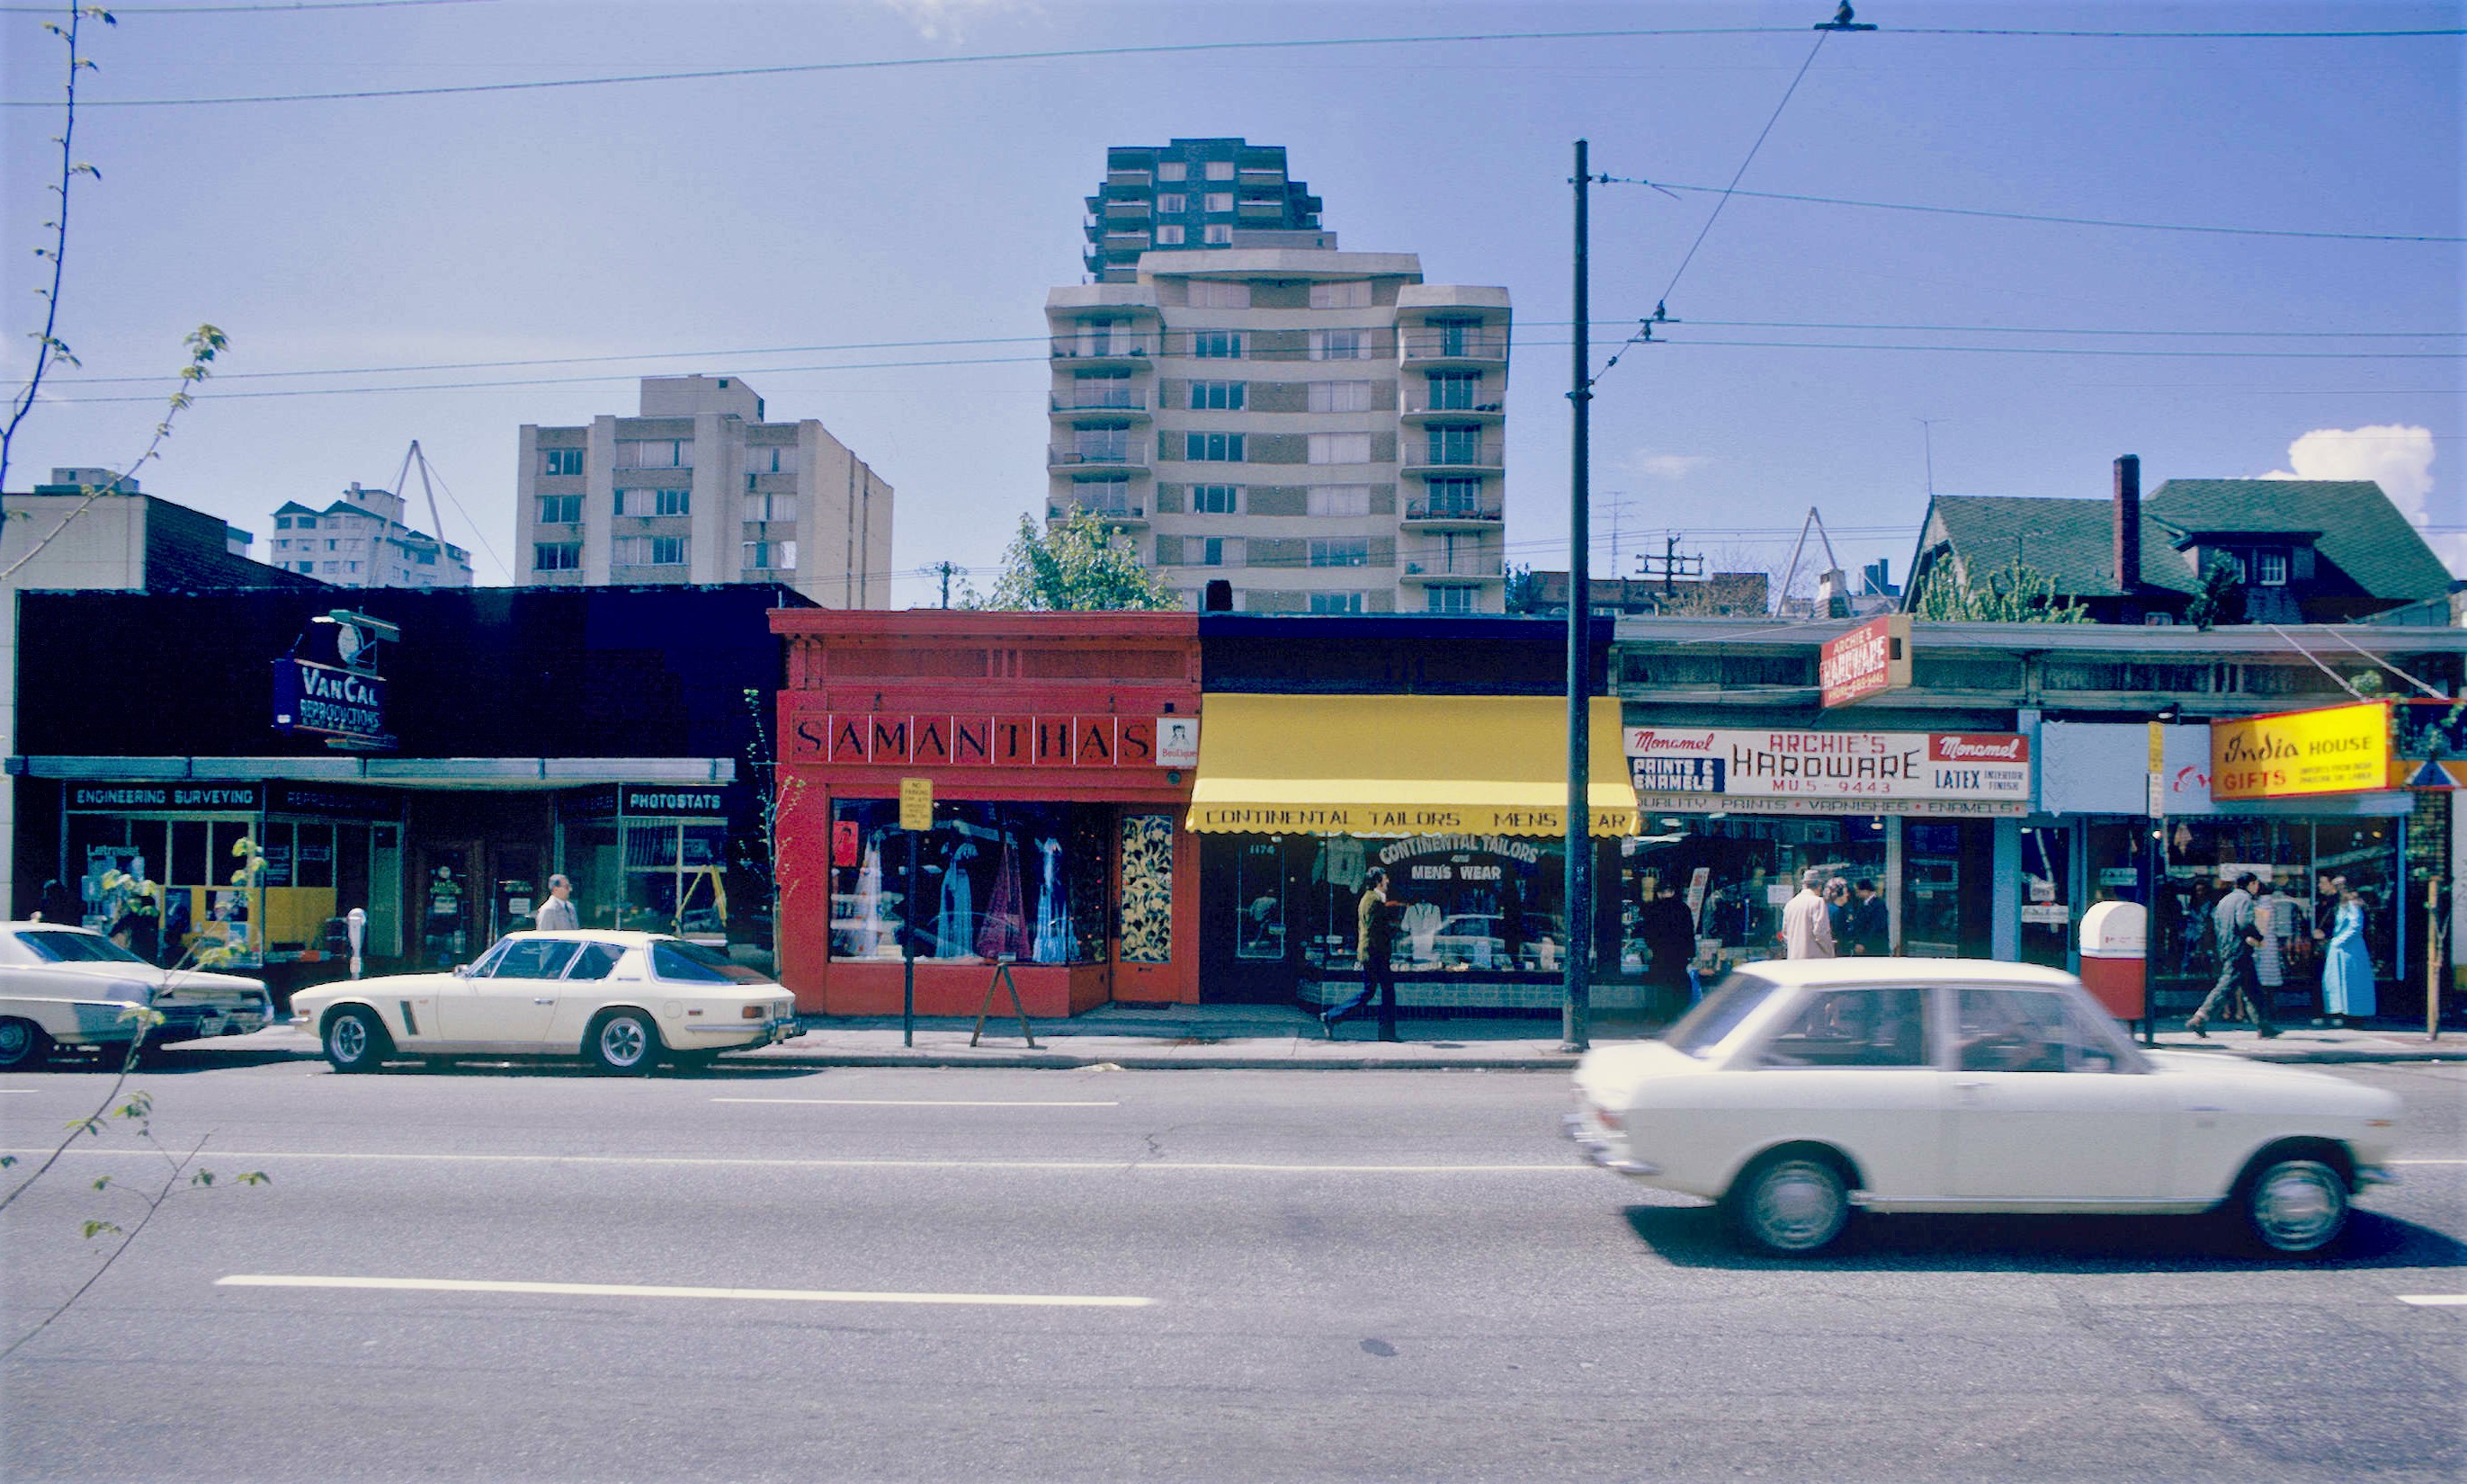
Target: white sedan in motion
{"points": [[1799, 1091], [622, 1001]]}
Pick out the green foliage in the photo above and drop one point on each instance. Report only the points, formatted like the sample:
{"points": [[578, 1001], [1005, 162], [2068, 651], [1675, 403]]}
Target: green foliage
{"points": [[1076, 566], [2015, 592], [1524, 589], [2218, 597]]}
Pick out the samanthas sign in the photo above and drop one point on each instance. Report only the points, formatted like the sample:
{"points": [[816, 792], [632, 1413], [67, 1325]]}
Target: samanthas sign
{"points": [[1938, 772], [2337, 750]]}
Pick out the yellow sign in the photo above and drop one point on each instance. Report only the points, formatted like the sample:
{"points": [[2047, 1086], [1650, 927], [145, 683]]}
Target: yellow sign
{"points": [[2337, 750], [2158, 749], [916, 803]]}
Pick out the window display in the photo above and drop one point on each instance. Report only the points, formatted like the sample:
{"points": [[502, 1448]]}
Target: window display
{"points": [[2293, 854], [1147, 888], [1023, 882], [1468, 903], [1730, 876]]}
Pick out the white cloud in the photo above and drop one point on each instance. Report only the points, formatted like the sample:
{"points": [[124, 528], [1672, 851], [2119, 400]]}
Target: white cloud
{"points": [[1664, 467], [949, 20], [2397, 458]]}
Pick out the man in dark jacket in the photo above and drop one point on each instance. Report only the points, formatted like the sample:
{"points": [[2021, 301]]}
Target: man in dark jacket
{"points": [[1871, 926], [1374, 950], [1669, 935]]}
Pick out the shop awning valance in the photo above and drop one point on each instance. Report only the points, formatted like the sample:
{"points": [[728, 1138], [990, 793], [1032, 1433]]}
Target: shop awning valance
{"points": [[1401, 765]]}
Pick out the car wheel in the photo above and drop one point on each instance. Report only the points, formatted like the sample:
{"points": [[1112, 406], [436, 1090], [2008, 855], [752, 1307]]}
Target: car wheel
{"points": [[23, 1045], [624, 1044], [356, 1041], [1789, 1205], [2295, 1205]]}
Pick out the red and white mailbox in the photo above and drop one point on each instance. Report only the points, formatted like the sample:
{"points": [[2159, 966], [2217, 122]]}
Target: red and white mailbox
{"points": [[2115, 950]]}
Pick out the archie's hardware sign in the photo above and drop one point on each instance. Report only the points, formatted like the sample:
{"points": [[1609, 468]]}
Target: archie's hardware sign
{"points": [[1866, 661], [2335, 750], [1767, 772]]}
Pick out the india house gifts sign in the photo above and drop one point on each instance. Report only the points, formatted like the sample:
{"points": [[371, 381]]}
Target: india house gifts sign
{"points": [[1706, 769]]}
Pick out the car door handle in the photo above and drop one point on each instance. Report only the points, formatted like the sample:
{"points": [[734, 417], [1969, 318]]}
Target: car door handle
{"points": [[1969, 1087], [544, 1000], [2204, 1108]]}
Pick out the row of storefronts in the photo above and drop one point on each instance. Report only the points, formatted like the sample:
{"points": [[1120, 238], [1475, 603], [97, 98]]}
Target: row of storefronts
{"points": [[1171, 808]]}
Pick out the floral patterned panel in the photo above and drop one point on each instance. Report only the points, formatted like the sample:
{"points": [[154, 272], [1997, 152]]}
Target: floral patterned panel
{"points": [[1147, 888]]}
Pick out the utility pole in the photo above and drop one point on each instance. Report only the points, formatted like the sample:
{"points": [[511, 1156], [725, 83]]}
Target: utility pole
{"points": [[1578, 983], [1672, 565], [945, 569]]}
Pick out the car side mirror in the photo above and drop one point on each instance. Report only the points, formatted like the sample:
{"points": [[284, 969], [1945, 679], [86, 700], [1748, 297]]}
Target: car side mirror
{"points": [[462, 971]]}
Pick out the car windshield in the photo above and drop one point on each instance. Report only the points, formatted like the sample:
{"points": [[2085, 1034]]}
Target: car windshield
{"points": [[76, 948], [1708, 1026], [695, 965]]}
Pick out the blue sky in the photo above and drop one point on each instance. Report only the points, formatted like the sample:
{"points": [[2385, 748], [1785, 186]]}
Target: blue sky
{"points": [[646, 227]]}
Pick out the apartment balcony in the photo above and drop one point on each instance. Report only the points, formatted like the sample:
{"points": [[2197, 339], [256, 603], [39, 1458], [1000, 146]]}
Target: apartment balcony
{"points": [[1452, 515], [1422, 407], [1135, 209], [1129, 517], [1129, 180], [1458, 345], [1129, 459], [1118, 348], [1261, 209], [1431, 457], [1126, 402], [1466, 568]]}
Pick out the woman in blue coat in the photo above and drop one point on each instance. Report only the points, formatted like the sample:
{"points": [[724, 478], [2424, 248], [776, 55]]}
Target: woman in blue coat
{"points": [[2347, 968]]}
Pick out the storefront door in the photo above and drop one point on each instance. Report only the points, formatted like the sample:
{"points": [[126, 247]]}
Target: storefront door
{"points": [[2047, 911], [445, 904]]}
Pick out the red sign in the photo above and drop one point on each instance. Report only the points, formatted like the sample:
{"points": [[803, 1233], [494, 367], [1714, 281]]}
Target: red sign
{"points": [[1950, 747], [935, 739], [1867, 660]]}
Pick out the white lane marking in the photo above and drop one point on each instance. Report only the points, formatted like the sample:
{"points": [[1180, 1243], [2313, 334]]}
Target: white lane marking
{"points": [[2426, 1162], [2435, 1300], [775, 1295], [907, 1102], [1066, 1166]]}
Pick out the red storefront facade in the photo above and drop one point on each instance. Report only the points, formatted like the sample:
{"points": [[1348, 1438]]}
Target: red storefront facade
{"points": [[1061, 749]]}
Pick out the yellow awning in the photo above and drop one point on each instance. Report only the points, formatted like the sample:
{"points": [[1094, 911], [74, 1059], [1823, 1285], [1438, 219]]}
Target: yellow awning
{"points": [[1401, 765]]}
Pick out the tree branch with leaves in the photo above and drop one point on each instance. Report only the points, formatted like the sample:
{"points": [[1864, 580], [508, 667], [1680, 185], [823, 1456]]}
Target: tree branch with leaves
{"points": [[1079, 565]]}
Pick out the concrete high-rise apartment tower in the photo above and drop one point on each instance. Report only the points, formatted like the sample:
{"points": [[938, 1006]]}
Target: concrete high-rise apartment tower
{"points": [[1196, 193], [699, 489], [1322, 429]]}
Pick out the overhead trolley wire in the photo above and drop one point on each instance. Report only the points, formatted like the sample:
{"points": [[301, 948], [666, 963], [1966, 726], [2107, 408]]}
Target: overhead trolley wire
{"points": [[1726, 191], [1188, 48]]}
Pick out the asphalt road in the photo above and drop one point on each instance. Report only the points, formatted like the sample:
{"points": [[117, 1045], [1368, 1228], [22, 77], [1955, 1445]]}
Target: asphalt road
{"points": [[1240, 1276]]}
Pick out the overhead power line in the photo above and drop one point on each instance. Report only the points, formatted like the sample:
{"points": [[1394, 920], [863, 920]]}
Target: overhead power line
{"points": [[1187, 48], [242, 10], [1726, 191]]}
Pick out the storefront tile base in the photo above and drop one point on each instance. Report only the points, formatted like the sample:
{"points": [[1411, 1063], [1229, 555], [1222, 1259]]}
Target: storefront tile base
{"points": [[874, 988], [1438, 993]]}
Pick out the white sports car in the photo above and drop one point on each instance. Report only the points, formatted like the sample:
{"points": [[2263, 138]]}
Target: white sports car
{"points": [[68, 986], [1797, 1092], [622, 1001]]}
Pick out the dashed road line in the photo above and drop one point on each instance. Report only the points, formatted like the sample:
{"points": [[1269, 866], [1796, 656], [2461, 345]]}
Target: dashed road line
{"points": [[727, 1162], [911, 1102], [775, 1295]]}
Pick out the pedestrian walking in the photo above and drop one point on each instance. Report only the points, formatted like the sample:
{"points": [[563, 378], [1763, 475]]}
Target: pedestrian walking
{"points": [[2275, 957], [1806, 926], [1669, 937], [1374, 919], [1871, 924], [558, 914], [2346, 964], [2237, 934]]}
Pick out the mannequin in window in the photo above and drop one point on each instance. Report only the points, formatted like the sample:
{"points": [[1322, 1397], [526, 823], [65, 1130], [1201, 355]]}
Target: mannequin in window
{"points": [[959, 904], [1052, 931]]}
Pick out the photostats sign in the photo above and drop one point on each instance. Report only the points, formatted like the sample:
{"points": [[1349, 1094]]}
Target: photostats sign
{"points": [[2291, 755], [1867, 660], [1702, 769]]}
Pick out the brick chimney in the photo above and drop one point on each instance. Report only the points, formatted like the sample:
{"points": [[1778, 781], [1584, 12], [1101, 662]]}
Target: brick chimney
{"points": [[2128, 524]]}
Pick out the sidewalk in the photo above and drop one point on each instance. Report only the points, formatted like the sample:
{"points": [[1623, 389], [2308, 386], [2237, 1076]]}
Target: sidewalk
{"points": [[1283, 1038]]}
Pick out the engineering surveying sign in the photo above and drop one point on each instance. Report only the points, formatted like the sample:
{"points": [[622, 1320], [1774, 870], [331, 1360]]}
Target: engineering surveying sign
{"points": [[1867, 660]]}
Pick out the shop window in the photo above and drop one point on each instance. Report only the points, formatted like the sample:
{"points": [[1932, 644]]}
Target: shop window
{"points": [[1466, 903], [672, 877], [1732, 876], [1026, 881], [1259, 887]]}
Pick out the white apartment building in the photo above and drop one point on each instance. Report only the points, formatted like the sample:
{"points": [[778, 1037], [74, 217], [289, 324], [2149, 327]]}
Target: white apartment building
{"points": [[361, 541], [699, 488], [1320, 429]]}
